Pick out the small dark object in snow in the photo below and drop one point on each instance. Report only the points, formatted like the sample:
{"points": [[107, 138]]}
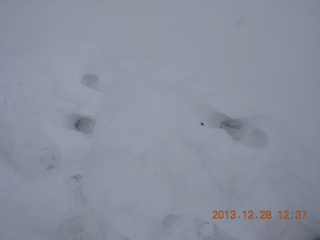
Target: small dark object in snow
{"points": [[85, 125], [202, 124]]}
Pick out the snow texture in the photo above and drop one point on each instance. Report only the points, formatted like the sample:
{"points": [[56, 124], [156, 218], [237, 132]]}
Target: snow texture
{"points": [[135, 120]]}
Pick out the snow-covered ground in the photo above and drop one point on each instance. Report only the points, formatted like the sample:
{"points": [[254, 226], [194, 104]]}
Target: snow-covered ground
{"points": [[137, 119]]}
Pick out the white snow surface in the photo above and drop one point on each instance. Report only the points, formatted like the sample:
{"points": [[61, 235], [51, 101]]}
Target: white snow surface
{"points": [[101, 105]]}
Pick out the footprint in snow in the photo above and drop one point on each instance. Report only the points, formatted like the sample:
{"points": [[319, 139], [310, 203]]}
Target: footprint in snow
{"points": [[242, 129], [84, 124], [89, 226], [80, 123], [91, 81], [75, 189]]}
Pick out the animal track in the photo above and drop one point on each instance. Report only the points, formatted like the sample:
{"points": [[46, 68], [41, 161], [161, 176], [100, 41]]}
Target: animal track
{"points": [[74, 229], [244, 131], [74, 186], [183, 227], [50, 157], [35, 154], [84, 124], [241, 130], [91, 81]]}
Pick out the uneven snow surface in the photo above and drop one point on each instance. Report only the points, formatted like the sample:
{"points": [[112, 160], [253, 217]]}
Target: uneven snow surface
{"points": [[135, 120]]}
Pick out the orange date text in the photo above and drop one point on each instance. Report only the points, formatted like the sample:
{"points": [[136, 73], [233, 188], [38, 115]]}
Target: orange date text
{"points": [[263, 214]]}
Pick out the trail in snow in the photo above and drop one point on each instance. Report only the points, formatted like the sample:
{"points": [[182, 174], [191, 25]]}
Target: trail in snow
{"points": [[136, 121]]}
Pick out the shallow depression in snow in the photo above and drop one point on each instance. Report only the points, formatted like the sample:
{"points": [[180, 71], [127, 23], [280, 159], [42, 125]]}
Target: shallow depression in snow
{"points": [[137, 120]]}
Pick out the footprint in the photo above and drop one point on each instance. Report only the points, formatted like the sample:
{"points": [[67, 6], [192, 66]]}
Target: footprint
{"points": [[213, 119], [49, 156], [183, 227], [91, 81], [35, 155], [84, 124], [74, 229], [242, 130], [89, 226], [74, 187], [79, 123]]}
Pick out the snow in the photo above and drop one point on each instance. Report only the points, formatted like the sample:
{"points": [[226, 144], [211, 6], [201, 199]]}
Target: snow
{"points": [[135, 120]]}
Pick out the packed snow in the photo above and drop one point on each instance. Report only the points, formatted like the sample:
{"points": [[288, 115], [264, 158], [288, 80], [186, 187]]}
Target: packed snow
{"points": [[137, 120]]}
